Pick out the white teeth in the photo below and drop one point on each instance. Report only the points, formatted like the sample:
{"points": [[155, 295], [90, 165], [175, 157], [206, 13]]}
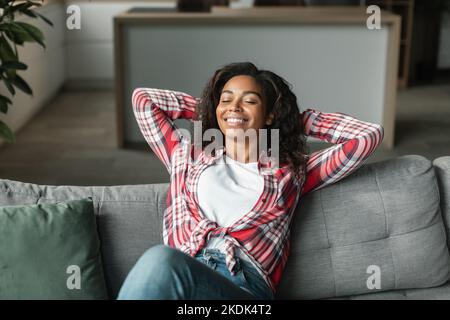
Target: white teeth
{"points": [[235, 120]]}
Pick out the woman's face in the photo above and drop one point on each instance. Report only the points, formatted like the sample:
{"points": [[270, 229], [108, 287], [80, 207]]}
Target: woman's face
{"points": [[242, 106]]}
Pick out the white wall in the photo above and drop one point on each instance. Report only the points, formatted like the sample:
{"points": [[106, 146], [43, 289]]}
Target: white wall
{"points": [[86, 56], [331, 67], [46, 69], [444, 46], [78, 57], [90, 51]]}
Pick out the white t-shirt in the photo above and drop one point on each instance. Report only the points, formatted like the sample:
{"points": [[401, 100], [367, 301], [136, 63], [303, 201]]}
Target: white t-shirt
{"points": [[227, 191]]}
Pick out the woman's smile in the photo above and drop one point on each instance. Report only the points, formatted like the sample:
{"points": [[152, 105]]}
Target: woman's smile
{"points": [[235, 120], [241, 105]]}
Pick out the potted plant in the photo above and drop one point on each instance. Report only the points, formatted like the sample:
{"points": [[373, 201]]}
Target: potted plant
{"points": [[13, 33]]}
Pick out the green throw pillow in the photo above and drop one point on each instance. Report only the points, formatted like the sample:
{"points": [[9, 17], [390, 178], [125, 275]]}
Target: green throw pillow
{"points": [[50, 251]]}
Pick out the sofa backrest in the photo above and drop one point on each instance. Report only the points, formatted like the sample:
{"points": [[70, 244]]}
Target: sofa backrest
{"points": [[383, 222], [385, 215]]}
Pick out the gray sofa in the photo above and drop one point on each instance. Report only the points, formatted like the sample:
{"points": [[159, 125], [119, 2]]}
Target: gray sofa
{"points": [[381, 233]]}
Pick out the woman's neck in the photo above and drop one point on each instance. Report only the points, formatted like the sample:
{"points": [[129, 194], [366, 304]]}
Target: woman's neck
{"points": [[242, 151]]}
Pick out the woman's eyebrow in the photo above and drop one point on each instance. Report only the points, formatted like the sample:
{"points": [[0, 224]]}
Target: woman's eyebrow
{"points": [[245, 92]]}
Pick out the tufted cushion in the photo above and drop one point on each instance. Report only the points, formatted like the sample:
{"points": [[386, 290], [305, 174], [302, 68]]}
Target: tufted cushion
{"points": [[386, 215]]}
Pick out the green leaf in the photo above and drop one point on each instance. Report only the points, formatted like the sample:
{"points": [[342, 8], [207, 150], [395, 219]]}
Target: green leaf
{"points": [[16, 34], [21, 84], [14, 65], [22, 6], [20, 32], [11, 73], [6, 133], [38, 4], [8, 85], [29, 13], [33, 14], [33, 32], [3, 106], [6, 99], [5, 8], [44, 18], [6, 51]]}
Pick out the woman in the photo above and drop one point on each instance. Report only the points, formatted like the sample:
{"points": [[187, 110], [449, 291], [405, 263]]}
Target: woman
{"points": [[226, 227]]}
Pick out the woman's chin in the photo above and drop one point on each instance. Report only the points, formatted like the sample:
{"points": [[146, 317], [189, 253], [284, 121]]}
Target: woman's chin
{"points": [[242, 131], [233, 131]]}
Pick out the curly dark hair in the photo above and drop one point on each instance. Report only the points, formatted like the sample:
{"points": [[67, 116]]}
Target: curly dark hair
{"points": [[280, 101]]}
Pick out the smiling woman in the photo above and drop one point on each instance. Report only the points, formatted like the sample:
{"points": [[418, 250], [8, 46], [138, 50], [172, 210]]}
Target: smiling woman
{"points": [[239, 96], [235, 101], [242, 107], [227, 223]]}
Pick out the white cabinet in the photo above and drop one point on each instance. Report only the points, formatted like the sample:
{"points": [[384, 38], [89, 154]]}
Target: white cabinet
{"points": [[333, 66]]}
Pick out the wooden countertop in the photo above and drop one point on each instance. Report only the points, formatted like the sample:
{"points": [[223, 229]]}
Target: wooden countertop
{"points": [[266, 15]]}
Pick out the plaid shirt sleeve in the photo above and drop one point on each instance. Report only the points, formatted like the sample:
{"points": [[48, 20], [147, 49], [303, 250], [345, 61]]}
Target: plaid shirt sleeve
{"points": [[155, 110], [354, 141]]}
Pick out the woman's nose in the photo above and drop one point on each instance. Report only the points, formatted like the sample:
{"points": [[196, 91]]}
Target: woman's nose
{"points": [[235, 106]]}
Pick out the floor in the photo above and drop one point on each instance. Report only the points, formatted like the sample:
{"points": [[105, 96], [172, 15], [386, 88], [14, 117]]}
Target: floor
{"points": [[71, 140]]}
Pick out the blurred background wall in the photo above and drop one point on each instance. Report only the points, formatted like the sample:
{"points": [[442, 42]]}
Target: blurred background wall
{"points": [[66, 132]]}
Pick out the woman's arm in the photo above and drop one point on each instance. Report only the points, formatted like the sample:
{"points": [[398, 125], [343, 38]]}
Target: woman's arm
{"points": [[354, 141], [154, 110]]}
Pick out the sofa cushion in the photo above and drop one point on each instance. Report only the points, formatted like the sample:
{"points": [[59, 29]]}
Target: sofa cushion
{"points": [[384, 217], [129, 219], [435, 293], [442, 168], [50, 251]]}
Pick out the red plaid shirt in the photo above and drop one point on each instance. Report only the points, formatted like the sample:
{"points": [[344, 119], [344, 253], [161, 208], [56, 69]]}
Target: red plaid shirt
{"points": [[263, 233]]}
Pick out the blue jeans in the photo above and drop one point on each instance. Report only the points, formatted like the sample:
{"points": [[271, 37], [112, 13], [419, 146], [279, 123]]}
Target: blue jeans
{"points": [[164, 273]]}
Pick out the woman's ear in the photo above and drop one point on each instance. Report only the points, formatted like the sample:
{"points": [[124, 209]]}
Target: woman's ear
{"points": [[269, 119]]}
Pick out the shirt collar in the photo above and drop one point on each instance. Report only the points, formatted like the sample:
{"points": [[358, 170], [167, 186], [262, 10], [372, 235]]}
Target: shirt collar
{"points": [[266, 163]]}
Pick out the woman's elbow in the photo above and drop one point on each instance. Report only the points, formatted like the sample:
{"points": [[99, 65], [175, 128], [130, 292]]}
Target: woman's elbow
{"points": [[138, 99]]}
